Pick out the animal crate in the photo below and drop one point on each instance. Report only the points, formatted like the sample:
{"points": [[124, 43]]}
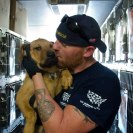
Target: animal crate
{"points": [[126, 110]]}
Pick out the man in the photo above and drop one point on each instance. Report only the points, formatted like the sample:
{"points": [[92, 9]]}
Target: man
{"points": [[91, 103]]}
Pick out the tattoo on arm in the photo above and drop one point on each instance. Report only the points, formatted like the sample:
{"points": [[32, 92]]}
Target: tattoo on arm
{"points": [[86, 118], [45, 106]]}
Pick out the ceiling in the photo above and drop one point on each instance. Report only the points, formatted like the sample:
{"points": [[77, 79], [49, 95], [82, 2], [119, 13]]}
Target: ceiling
{"points": [[43, 20]]}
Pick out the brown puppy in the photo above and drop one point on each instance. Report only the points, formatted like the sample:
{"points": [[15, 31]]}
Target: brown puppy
{"points": [[55, 79]]}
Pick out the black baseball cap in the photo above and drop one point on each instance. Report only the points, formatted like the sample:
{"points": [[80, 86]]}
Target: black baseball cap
{"points": [[81, 31]]}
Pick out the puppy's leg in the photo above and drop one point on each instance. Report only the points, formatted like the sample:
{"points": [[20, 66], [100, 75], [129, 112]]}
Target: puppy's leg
{"points": [[30, 118], [64, 82], [66, 79], [22, 101]]}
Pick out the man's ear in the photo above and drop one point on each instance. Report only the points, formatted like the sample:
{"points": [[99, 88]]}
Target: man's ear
{"points": [[89, 50]]}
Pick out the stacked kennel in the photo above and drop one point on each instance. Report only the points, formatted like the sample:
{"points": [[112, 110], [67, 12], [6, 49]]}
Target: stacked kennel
{"points": [[117, 32], [11, 77]]}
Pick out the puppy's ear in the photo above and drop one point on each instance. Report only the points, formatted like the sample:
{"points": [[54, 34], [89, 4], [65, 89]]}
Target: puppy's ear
{"points": [[22, 51]]}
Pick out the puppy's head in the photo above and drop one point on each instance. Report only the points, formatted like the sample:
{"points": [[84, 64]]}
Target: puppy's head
{"points": [[42, 53]]}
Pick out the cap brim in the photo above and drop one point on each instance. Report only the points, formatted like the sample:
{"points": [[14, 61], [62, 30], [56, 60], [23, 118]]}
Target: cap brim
{"points": [[101, 46]]}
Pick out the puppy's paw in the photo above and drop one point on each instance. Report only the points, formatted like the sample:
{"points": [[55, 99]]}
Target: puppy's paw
{"points": [[66, 79]]}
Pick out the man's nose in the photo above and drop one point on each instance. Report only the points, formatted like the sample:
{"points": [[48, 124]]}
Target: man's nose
{"points": [[56, 45]]}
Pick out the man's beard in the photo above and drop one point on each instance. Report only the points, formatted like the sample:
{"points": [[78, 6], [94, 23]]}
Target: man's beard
{"points": [[71, 65], [61, 65]]}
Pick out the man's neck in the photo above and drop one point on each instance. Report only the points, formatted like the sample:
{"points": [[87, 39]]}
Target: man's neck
{"points": [[85, 64]]}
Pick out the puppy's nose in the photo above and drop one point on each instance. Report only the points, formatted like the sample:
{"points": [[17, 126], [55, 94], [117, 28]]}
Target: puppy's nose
{"points": [[51, 54]]}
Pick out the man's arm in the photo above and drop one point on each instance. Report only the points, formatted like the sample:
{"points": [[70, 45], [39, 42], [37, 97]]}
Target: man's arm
{"points": [[54, 119]]}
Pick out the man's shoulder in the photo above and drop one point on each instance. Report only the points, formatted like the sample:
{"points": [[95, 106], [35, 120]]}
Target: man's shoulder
{"points": [[107, 70]]}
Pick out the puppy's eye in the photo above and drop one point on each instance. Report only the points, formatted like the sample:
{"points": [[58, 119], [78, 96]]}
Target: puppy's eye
{"points": [[37, 48]]}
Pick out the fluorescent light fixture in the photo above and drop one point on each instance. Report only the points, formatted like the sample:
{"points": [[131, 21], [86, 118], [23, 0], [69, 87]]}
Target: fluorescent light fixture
{"points": [[69, 9]]}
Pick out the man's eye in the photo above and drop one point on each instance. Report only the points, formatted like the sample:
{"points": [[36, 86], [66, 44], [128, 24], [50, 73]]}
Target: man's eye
{"points": [[64, 44]]}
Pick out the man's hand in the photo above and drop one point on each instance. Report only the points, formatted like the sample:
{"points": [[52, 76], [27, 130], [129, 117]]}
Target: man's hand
{"points": [[29, 64]]}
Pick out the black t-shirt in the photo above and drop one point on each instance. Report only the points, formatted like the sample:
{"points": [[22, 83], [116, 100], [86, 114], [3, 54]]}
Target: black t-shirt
{"points": [[96, 92]]}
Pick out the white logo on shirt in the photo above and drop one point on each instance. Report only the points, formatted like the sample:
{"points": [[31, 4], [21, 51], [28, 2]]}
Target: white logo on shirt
{"points": [[66, 96], [95, 98]]}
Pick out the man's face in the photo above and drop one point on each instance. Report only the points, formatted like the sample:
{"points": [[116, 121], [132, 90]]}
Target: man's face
{"points": [[68, 56]]}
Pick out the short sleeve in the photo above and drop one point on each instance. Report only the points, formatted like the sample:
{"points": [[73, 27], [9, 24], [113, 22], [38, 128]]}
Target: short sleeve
{"points": [[98, 101]]}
